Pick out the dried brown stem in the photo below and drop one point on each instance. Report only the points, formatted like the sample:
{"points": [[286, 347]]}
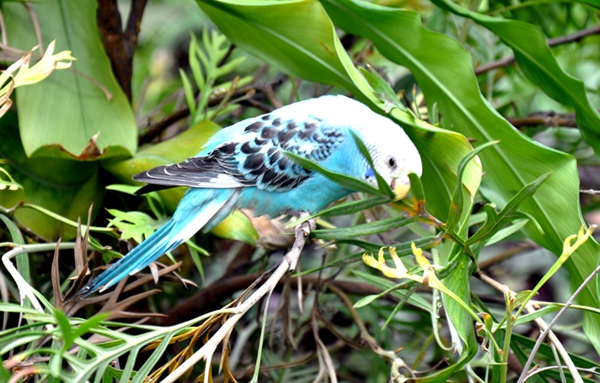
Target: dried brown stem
{"points": [[209, 298]]}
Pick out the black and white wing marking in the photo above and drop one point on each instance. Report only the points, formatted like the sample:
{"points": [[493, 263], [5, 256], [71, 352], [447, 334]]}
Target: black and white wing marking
{"points": [[255, 158]]}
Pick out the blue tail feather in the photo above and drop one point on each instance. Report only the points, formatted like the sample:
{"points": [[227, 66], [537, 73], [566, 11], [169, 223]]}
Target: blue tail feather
{"points": [[199, 208]]}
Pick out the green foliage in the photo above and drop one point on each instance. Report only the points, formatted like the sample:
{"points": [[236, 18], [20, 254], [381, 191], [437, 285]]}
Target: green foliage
{"points": [[484, 187], [206, 69], [51, 121]]}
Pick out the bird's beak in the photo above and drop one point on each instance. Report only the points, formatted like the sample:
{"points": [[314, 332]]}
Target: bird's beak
{"points": [[400, 187]]}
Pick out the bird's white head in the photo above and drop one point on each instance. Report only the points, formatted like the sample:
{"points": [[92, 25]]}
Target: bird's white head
{"points": [[393, 153], [394, 156]]}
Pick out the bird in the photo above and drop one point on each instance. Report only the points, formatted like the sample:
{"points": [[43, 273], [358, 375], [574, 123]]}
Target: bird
{"points": [[244, 166]]}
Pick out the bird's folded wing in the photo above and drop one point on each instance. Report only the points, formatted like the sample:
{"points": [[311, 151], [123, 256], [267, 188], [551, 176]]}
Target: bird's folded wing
{"points": [[256, 158]]}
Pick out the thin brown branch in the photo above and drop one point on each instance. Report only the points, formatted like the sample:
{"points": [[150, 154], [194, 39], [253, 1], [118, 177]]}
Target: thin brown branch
{"points": [[36, 26], [552, 119], [120, 44], [397, 363], [504, 255], [508, 60]]}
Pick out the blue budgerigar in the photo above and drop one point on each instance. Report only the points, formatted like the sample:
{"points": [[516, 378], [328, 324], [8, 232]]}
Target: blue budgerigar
{"points": [[244, 166]]}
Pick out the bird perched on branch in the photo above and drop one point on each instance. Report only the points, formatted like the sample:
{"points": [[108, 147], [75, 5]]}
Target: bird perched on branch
{"points": [[245, 166]]}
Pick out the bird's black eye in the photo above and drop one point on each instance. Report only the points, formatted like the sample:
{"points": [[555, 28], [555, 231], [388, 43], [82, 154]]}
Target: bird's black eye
{"points": [[392, 162]]}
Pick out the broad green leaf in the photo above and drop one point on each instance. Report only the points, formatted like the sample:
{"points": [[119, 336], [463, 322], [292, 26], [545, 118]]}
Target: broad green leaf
{"points": [[237, 226], [538, 63], [510, 165], [60, 116], [65, 187], [295, 36], [298, 37]]}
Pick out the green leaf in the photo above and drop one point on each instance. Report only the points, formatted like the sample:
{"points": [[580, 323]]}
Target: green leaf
{"points": [[65, 187], [345, 181], [276, 32], [382, 90], [22, 259], [127, 189], [510, 165], [456, 205], [416, 188], [377, 227], [506, 232], [237, 226], [60, 116], [385, 284], [495, 221], [352, 207], [134, 224], [65, 329], [536, 60], [383, 186], [8, 183]]}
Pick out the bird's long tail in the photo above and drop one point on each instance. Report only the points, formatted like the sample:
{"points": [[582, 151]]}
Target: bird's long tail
{"points": [[199, 208]]}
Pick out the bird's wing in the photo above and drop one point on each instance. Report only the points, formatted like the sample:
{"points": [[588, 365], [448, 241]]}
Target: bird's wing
{"points": [[254, 158]]}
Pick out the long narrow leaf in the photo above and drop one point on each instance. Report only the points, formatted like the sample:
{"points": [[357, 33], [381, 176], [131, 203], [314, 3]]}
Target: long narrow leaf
{"points": [[377, 227], [349, 183], [510, 165]]}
